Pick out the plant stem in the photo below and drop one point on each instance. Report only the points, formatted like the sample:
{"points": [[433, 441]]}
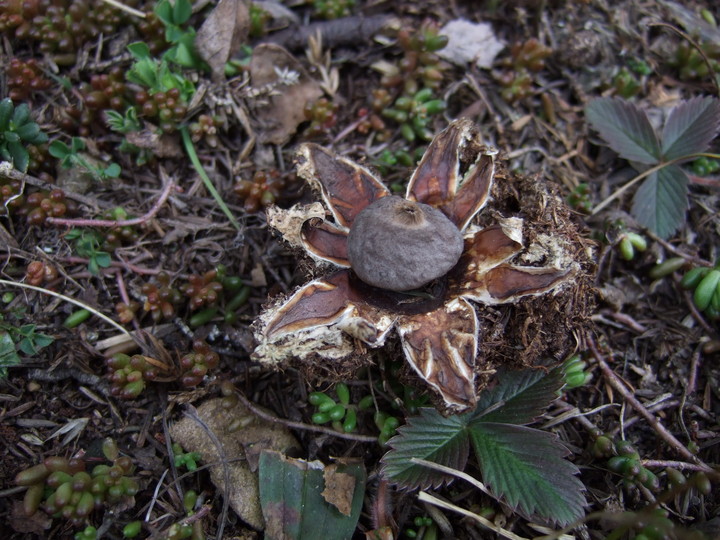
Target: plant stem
{"points": [[644, 174], [67, 299], [192, 154]]}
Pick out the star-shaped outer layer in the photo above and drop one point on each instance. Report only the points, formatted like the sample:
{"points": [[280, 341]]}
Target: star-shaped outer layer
{"points": [[439, 328]]}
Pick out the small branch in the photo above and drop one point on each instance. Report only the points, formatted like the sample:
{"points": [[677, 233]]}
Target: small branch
{"points": [[617, 384], [127, 9], [299, 425], [114, 222], [427, 498], [66, 299]]}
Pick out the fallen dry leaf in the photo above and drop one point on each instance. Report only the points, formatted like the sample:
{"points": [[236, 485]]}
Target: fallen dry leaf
{"points": [[339, 489], [222, 34], [279, 115], [241, 449]]}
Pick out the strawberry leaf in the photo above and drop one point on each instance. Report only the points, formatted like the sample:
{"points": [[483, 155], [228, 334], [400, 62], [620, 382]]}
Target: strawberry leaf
{"points": [[661, 201], [525, 466], [625, 128], [690, 127], [525, 395], [428, 436]]}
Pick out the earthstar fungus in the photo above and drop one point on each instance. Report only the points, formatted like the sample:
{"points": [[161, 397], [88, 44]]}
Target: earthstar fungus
{"points": [[385, 248]]}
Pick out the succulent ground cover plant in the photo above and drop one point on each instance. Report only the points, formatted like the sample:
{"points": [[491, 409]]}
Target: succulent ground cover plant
{"points": [[411, 264]]}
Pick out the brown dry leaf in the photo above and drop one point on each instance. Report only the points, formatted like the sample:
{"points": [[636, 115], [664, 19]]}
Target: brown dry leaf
{"points": [[339, 489], [222, 34], [162, 146], [240, 447], [279, 115], [22, 523]]}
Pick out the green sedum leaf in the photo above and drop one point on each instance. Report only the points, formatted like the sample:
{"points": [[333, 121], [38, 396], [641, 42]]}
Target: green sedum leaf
{"points": [[625, 128], [690, 127], [661, 201], [526, 467]]}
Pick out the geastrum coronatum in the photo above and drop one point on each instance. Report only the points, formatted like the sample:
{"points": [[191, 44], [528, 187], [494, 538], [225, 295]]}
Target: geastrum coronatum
{"points": [[411, 264]]}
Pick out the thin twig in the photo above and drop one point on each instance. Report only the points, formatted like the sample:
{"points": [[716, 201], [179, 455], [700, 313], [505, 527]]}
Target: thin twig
{"points": [[299, 425], [67, 299], [617, 384], [426, 497], [118, 222], [127, 9]]}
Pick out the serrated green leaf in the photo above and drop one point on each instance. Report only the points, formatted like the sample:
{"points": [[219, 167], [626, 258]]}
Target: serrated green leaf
{"points": [[691, 127], [428, 436], [625, 128], [661, 201], [20, 156], [525, 395], [293, 498], [525, 466]]}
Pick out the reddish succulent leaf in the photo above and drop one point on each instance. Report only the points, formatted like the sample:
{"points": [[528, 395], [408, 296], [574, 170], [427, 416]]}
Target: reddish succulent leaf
{"points": [[625, 128], [325, 241], [473, 193], [440, 346], [690, 127], [434, 182], [346, 187]]}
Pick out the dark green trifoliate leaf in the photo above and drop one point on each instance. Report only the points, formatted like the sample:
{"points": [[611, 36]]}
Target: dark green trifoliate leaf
{"points": [[526, 467], [625, 128], [524, 395], [690, 127], [302, 499], [661, 201], [432, 437]]}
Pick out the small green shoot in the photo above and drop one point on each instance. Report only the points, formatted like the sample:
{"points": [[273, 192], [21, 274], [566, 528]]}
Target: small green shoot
{"points": [[23, 339], [70, 156], [156, 75], [174, 16], [123, 123], [87, 244], [185, 459], [17, 130]]}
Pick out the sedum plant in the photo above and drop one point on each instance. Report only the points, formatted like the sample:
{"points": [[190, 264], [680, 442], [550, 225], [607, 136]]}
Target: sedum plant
{"points": [[17, 130]]}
